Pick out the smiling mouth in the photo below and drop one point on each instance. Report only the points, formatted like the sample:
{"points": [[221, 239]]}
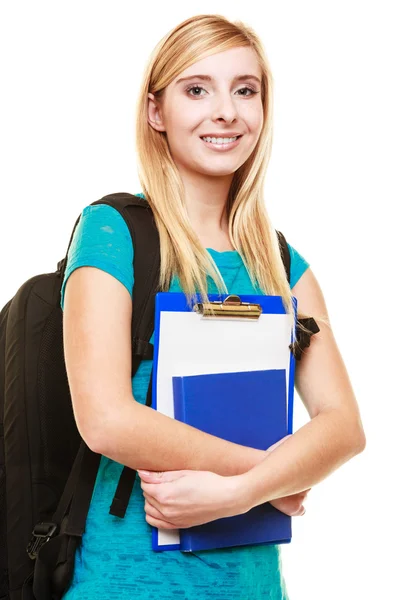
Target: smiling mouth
{"points": [[236, 137], [221, 146]]}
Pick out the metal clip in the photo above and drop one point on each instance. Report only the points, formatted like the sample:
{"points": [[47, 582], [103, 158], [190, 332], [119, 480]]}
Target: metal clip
{"points": [[231, 307]]}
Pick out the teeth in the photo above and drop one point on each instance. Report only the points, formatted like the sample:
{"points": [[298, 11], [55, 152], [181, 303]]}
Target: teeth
{"points": [[220, 140]]}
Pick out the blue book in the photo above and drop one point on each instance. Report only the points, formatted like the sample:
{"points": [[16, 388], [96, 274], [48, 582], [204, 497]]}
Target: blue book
{"points": [[247, 408]]}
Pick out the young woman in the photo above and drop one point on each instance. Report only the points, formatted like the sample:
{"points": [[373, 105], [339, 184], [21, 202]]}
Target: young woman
{"points": [[207, 80]]}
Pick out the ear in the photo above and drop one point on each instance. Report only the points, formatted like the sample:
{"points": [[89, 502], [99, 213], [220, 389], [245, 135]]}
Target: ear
{"points": [[155, 113]]}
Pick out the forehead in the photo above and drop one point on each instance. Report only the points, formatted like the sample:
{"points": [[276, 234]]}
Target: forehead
{"points": [[224, 66]]}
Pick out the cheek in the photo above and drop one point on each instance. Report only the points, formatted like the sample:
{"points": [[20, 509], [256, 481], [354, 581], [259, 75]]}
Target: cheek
{"points": [[186, 115], [254, 118], [182, 122], [179, 139], [183, 125]]}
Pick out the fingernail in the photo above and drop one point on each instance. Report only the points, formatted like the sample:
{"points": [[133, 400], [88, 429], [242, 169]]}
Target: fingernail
{"points": [[143, 472]]}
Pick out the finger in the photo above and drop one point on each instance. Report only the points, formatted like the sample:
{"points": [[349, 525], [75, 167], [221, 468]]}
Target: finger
{"points": [[159, 523], [152, 492], [152, 489], [150, 475], [160, 476], [153, 502], [152, 511], [300, 512]]}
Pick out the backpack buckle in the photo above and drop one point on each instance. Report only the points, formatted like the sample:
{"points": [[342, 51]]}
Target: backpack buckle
{"points": [[41, 534]]}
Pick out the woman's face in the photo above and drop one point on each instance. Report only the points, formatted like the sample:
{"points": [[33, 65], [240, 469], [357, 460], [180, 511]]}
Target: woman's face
{"points": [[220, 106]]}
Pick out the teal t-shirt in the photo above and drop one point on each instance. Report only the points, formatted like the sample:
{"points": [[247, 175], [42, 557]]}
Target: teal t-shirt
{"points": [[115, 559]]}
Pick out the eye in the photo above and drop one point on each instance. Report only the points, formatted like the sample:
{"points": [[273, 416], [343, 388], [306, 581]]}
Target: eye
{"points": [[194, 87], [249, 89], [198, 87]]}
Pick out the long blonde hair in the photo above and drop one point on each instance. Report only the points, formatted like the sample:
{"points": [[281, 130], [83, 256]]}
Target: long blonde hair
{"points": [[250, 229]]}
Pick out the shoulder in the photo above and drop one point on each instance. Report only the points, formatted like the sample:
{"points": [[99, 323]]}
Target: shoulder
{"points": [[101, 229], [101, 239], [102, 219]]}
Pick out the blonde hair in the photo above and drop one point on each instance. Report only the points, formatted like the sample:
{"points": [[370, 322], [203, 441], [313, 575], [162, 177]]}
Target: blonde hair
{"points": [[250, 229]]}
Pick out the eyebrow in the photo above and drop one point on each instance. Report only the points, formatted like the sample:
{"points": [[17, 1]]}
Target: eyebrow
{"points": [[208, 78]]}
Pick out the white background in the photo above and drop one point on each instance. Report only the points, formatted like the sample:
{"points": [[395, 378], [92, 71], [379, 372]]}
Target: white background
{"points": [[70, 75]]}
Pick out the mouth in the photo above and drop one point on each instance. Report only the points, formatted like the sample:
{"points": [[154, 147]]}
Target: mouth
{"points": [[220, 147]]}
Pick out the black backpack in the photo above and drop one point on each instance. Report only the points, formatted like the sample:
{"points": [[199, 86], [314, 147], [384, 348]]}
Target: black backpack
{"points": [[47, 472]]}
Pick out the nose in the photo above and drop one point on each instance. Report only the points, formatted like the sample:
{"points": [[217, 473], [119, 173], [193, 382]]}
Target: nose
{"points": [[224, 107]]}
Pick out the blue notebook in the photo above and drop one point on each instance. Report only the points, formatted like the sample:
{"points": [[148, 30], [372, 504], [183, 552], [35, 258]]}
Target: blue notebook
{"points": [[247, 408]]}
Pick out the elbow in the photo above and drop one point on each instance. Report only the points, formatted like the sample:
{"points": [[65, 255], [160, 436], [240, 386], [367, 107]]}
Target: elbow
{"points": [[101, 424], [358, 439], [362, 442], [94, 436], [350, 433], [359, 435], [95, 443], [103, 433], [352, 425]]}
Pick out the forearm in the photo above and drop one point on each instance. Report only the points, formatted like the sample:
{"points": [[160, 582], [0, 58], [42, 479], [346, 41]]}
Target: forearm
{"points": [[304, 459], [140, 437]]}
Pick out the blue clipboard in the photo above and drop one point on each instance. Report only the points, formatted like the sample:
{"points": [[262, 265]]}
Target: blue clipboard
{"points": [[189, 343]]}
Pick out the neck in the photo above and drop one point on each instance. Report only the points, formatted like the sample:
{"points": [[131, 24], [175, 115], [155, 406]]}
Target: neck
{"points": [[206, 201]]}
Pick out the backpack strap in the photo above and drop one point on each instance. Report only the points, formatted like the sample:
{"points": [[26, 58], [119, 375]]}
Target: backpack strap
{"points": [[146, 243], [146, 265], [127, 478], [303, 337]]}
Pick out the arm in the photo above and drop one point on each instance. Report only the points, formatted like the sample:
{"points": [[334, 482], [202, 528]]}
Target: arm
{"points": [[335, 433], [97, 349]]}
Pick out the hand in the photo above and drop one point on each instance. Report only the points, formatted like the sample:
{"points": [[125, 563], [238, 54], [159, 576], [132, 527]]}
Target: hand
{"points": [[180, 499], [290, 505]]}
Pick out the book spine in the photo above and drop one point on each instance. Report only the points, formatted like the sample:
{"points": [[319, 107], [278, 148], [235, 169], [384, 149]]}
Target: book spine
{"points": [[179, 404], [185, 542], [178, 388]]}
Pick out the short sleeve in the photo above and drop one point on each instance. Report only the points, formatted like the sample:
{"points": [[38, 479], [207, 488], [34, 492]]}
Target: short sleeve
{"points": [[102, 240], [298, 265]]}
